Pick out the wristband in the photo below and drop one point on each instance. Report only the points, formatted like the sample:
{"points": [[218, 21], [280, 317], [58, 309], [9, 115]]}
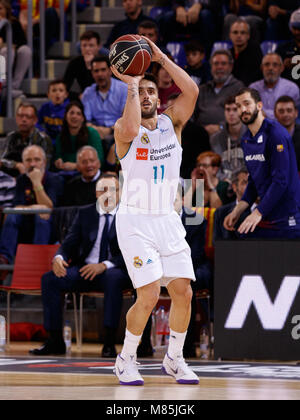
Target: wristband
{"points": [[212, 190]]}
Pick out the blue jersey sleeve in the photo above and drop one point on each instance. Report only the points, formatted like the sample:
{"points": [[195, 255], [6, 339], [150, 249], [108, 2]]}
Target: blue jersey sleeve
{"points": [[250, 194], [279, 158]]}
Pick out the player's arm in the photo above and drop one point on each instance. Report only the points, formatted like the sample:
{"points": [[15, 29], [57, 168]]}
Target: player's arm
{"points": [[183, 107], [127, 127]]}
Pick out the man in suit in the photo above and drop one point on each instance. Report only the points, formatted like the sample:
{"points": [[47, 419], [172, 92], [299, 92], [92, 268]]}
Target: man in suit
{"points": [[89, 259], [239, 184]]}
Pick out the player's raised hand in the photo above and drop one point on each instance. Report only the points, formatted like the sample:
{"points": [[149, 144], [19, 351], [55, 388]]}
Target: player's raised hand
{"points": [[157, 54]]}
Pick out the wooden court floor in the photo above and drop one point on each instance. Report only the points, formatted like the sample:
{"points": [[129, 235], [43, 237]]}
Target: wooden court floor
{"points": [[61, 386]]}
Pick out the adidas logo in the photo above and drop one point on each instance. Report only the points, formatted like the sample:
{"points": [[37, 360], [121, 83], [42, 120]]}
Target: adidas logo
{"points": [[149, 261]]}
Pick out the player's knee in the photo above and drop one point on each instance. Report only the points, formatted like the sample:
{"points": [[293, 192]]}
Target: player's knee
{"points": [[148, 299]]}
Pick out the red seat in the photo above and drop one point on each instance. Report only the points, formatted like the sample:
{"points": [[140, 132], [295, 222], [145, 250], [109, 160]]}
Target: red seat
{"points": [[31, 262]]}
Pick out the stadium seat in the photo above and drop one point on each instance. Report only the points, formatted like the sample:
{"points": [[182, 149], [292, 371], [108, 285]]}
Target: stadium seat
{"points": [[221, 45], [100, 295], [155, 12], [32, 261], [178, 53], [268, 47]]}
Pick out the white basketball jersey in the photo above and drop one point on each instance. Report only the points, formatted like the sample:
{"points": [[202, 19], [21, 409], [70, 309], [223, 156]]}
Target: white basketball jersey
{"points": [[151, 169]]}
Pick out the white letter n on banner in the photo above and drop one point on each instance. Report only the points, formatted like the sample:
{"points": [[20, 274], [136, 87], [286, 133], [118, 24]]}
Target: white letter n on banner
{"points": [[272, 315]]}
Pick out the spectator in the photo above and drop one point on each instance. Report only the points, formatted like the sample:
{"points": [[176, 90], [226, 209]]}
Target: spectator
{"points": [[35, 189], [51, 114], [194, 140], [134, 16], [286, 113], [21, 52], [252, 12], [279, 12], [197, 67], [104, 101], [190, 19], [272, 86], [215, 191], [227, 142], [239, 185], [290, 49], [74, 135], [26, 135], [247, 55], [79, 266], [80, 191], [79, 68], [209, 110], [166, 86]]}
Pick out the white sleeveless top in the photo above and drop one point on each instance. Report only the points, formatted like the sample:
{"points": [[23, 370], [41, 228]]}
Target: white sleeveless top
{"points": [[151, 170]]}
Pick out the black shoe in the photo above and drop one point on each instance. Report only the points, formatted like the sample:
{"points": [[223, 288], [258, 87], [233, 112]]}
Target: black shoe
{"points": [[144, 350], [109, 351], [48, 348]]}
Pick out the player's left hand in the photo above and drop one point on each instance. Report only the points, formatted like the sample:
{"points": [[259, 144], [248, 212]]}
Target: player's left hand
{"points": [[90, 271], [250, 223]]}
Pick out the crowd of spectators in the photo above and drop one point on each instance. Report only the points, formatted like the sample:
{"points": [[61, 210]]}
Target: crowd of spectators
{"points": [[58, 153]]}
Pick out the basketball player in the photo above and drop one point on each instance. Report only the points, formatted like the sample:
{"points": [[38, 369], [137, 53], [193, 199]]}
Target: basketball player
{"points": [[273, 177], [150, 233]]}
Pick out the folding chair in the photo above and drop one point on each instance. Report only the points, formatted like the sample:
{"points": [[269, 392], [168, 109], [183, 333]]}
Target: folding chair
{"points": [[126, 294], [31, 262]]}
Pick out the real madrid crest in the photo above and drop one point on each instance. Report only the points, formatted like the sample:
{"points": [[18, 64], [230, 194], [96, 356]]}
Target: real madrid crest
{"points": [[145, 139], [137, 262]]}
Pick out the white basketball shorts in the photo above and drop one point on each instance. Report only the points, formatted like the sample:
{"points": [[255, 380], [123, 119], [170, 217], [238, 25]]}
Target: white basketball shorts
{"points": [[154, 248]]}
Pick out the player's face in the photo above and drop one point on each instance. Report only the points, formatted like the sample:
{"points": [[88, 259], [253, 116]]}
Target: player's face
{"points": [[148, 98], [248, 109], [57, 93], [286, 113]]}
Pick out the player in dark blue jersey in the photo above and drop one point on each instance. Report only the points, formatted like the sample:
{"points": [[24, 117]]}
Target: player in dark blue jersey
{"points": [[273, 176]]}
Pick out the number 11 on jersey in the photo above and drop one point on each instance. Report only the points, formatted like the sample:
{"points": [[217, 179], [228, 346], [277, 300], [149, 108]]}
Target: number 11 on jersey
{"points": [[155, 168]]}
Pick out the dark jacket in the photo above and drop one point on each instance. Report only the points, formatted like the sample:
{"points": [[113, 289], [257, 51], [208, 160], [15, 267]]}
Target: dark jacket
{"points": [[82, 236]]}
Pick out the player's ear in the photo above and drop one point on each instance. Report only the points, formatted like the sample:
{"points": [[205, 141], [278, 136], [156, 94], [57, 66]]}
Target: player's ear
{"points": [[260, 105]]}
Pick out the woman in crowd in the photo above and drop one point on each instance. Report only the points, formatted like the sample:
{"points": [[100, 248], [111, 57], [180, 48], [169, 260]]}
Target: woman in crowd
{"points": [[74, 135]]}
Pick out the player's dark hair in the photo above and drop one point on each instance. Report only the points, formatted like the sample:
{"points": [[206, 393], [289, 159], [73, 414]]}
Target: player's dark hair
{"points": [[151, 78], [255, 95]]}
